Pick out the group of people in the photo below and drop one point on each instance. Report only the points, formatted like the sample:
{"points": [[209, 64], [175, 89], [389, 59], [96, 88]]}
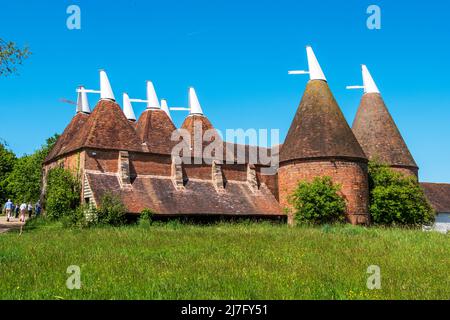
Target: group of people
{"points": [[13, 210]]}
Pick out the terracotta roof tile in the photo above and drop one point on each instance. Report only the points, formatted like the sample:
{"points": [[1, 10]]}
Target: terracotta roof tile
{"points": [[197, 126], [155, 128], [439, 196], [199, 197], [70, 133], [319, 128], [378, 134], [106, 128]]}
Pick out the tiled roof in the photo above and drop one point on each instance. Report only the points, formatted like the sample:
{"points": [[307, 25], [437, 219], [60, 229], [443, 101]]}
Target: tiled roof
{"points": [[319, 128], [378, 134], [69, 134], [439, 195], [197, 126], [155, 129], [199, 197], [106, 128]]}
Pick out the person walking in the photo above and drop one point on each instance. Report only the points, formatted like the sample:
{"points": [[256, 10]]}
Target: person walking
{"points": [[8, 209], [23, 209], [17, 210], [30, 210], [37, 208]]}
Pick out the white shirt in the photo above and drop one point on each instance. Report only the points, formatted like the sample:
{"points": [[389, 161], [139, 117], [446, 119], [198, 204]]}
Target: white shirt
{"points": [[23, 206]]}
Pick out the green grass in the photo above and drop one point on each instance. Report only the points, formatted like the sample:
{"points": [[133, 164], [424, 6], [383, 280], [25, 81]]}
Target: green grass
{"points": [[223, 261]]}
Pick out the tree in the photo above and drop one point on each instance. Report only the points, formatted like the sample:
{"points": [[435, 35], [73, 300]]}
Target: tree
{"points": [[11, 56], [397, 199], [7, 162], [318, 201], [63, 193], [23, 184]]}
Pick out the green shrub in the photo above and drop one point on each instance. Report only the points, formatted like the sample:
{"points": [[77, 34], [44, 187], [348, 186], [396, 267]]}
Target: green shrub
{"points": [[397, 199], [77, 217], [63, 193], [146, 217], [318, 202], [111, 210]]}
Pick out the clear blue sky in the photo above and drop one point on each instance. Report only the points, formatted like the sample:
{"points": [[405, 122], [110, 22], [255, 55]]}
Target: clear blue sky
{"points": [[236, 54]]}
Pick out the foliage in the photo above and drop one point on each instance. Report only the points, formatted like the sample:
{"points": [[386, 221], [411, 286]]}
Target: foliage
{"points": [[77, 217], [225, 261], [146, 217], [7, 162], [318, 202], [24, 181], [10, 56], [111, 210], [63, 193], [397, 199]]}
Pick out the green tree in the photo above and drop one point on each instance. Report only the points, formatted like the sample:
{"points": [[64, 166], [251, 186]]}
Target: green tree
{"points": [[7, 162], [63, 193], [111, 210], [11, 56], [24, 181], [397, 199], [318, 202]]}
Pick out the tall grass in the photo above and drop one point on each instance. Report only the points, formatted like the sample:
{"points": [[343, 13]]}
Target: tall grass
{"points": [[223, 261]]}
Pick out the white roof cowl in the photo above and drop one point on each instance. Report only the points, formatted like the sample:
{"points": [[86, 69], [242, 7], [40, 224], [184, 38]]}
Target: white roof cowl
{"points": [[105, 87], [128, 108], [369, 85], [152, 98], [315, 71], [165, 108], [194, 104], [82, 100]]}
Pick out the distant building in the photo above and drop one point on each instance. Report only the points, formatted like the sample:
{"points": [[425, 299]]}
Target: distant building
{"points": [[439, 196], [112, 152]]}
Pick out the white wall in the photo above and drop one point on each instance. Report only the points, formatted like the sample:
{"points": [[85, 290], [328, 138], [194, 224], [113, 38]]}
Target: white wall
{"points": [[442, 222]]}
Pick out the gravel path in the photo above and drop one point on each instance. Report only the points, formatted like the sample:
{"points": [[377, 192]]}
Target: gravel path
{"points": [[12, 224]]}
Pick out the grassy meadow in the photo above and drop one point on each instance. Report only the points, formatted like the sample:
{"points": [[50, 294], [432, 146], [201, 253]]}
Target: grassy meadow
{"points": [[223, 261]]}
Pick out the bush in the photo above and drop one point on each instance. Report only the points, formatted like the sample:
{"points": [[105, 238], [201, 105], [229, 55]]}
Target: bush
{"points": [[146, 217], [77, 217], [396, 199], [318, 202], [63, 193], [111, 210]]}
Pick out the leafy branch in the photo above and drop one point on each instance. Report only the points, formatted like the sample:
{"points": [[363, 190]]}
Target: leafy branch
{"points": [[11, 56]]}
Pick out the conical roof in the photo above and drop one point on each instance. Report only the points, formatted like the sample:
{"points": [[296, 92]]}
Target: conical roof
{"points": [[106, 128], [378, 134], [197, 125], [319, 129], [72, 129], [154, 128]]}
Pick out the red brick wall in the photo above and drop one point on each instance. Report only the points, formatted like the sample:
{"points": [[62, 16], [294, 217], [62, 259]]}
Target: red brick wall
{"points": [[235, 172], [104, 161], [150, 164], [351, 175], [197, 171], [73, 162], [408, 171], [270, 180]]}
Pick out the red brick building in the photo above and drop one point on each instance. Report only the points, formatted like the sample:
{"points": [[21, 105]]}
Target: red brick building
{"points": [[112, 152]]}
